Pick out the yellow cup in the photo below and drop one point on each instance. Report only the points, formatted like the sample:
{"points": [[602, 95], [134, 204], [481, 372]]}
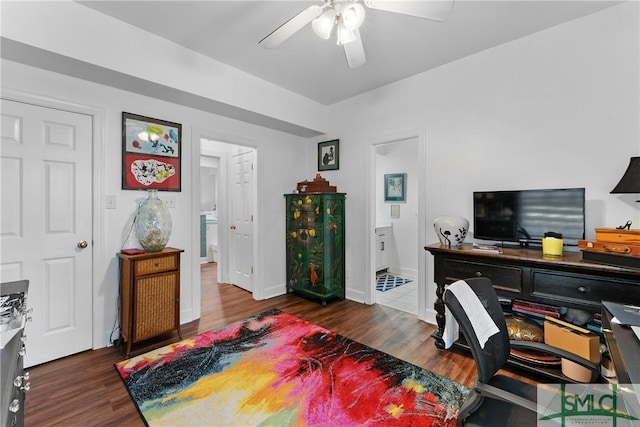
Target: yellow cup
{"points": [[552, 246]]}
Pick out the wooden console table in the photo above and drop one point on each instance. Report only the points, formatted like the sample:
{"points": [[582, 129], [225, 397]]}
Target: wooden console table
{"points": [[527, 274]]}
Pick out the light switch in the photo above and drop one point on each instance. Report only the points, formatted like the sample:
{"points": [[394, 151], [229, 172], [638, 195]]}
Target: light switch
{"points": [[170, 202]]}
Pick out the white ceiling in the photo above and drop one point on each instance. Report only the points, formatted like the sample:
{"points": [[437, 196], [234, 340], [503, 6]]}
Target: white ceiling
{"points": [[397, 46]]}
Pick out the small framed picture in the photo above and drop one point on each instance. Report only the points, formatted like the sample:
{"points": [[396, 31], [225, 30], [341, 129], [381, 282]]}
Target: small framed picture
{"points": [[328, 155], [150, 153], [395, 211], [394, 187]]}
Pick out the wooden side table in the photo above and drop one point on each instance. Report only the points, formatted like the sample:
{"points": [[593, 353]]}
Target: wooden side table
{"points": [[149, 295]]}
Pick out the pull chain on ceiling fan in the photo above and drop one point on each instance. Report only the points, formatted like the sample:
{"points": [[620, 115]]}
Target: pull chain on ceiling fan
{"points": [[347, 17]]}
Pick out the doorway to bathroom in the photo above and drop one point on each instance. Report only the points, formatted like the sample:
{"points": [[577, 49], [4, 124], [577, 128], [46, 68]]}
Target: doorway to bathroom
{"points": [[396, 225], [209, 166], [227, 206]]}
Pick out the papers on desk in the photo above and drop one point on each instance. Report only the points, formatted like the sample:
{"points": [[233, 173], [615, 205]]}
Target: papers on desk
{"points": [[626, 314]]}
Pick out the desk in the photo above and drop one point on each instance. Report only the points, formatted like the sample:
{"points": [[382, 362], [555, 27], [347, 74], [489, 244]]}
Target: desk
{"points": [[624, 348], [527, 274]]}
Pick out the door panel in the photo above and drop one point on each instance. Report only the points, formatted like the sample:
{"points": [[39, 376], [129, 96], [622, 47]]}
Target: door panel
{"points": [[46, 212], [242, 220]]}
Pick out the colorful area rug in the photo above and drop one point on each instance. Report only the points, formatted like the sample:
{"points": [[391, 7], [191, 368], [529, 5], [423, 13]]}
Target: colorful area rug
{"points": [[275, 369], [389, 281]]}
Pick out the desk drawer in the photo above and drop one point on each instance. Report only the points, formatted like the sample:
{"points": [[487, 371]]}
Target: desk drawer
{"points": [[156, 265], [503, 278], [582, 289]]}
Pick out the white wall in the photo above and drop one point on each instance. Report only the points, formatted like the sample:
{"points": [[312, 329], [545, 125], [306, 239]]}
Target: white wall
{"points": [[208, 182], [273, 150], [558, 108]]}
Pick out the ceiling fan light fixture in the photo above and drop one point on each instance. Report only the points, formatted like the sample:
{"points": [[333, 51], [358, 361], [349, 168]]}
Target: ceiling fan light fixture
{"points": [[347, 16], [353, 16], [345, 35], [323, 24]]}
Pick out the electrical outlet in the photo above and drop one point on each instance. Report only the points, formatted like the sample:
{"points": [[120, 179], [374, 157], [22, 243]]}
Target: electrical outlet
{"points": [[110, 201], [170, 202]]}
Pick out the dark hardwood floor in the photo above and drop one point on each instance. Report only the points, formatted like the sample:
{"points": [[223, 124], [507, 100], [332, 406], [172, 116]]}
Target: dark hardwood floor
{"points": [[85, 390]]}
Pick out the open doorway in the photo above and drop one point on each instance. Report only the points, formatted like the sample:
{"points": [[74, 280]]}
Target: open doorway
{"points": [[209, 169], [227, 197], [396, 225]]}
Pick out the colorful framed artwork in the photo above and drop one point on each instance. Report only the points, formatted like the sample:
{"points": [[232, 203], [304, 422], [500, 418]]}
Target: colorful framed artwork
{"points": [[328, 155], [394, 187], [150, 153]]}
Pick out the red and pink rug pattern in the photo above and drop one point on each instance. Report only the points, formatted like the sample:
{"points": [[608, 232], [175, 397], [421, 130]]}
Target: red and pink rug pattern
{"points": [[277, 369]]}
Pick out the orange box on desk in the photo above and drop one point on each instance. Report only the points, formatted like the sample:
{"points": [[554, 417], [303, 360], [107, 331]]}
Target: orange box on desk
{"points": [[574, 339], [611, 247], [616, 235]]}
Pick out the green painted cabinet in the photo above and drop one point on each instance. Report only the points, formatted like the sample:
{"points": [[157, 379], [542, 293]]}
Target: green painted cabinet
{"points": [[315, 245]]}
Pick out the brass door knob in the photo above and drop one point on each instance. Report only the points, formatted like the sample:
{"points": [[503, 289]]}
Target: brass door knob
{"points": [[233, 227], [83, 244]]}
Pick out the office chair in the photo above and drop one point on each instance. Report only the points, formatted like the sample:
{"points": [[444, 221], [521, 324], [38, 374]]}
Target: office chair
{"points": [[498, 400]]}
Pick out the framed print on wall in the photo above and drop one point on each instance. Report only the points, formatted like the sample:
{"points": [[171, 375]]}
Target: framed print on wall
{"points": [[328, 155], [150, 153], [394, 187]]}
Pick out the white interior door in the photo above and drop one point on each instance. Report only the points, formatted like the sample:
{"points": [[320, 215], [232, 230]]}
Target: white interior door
{"points": [[45, 224], [241, 226]]}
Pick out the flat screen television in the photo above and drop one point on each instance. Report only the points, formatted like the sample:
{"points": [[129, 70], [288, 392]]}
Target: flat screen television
{"points": [[524, 216]]}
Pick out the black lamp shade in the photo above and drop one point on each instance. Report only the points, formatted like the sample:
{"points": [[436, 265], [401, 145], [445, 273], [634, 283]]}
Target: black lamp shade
{"points": [[630, 181]]}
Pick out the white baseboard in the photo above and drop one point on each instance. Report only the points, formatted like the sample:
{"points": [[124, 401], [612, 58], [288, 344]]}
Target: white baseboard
{"points": [[274, 291], [430, 317], [357, 296]]}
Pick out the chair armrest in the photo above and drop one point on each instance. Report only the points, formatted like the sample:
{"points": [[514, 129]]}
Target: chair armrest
{"points": [[492, 392], [546, 348]]}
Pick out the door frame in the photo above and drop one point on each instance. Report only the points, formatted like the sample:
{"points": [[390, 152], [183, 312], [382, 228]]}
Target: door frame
{"points": [[370, 200], [223, 220], [99, 329]]}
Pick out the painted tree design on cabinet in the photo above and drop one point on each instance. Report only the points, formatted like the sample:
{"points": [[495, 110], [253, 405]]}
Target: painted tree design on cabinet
{"points": [[315, 245]]}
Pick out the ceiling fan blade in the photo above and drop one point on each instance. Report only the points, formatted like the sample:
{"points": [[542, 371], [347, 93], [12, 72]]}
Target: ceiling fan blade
{"points": [[354, 51], [293, 25], [435, 10]]}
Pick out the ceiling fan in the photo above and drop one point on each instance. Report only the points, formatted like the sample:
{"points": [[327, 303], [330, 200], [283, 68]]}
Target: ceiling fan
{"points": [[347, 16]]}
